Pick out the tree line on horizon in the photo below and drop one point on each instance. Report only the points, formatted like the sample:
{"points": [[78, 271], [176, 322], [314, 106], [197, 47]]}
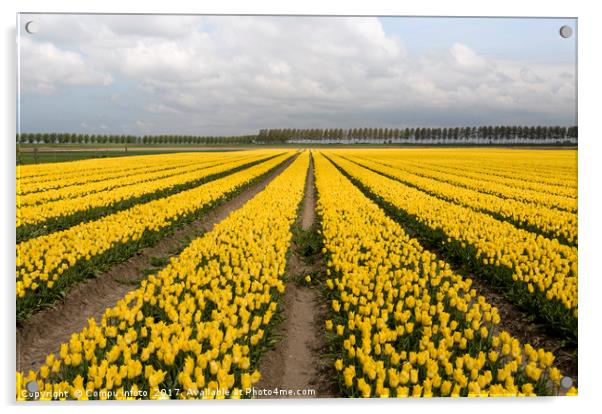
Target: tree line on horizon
{"points": [[454, 135], [71, 138]]}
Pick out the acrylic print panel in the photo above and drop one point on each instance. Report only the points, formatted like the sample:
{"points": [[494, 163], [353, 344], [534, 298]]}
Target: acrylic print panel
{"points": [[295, 207]]}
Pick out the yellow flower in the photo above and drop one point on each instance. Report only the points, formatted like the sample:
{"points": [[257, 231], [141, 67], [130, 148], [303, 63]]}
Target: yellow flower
{"points": [[348, 375], [446, 388], [527, 389], [555, 375], [156, 378]]}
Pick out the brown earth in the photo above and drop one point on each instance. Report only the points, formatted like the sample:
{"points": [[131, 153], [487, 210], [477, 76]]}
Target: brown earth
{"points": [[297, 362], [44, 332]]}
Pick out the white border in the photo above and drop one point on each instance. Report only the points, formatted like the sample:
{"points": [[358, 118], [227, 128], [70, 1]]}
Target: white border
{"points": [[589, 186]]}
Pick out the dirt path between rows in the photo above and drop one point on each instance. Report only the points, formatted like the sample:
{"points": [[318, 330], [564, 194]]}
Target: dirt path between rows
{"points": [[296, 363], [44, 332]]}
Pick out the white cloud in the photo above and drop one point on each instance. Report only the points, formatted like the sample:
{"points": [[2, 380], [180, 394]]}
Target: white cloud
{"points": [[45, 67], [465, 57], [201, 74], [529, 76]]}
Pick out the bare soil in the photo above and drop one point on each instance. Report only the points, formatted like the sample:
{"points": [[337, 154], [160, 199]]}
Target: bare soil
{"points": [[44, 332], [297, 361]]}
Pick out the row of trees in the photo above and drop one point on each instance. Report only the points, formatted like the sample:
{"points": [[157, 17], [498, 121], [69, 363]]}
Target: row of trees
{"points": [[459, 135], [67, 138]]}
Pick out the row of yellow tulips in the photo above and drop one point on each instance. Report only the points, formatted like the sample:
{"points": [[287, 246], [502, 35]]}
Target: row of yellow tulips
{"points": [[543, 270], [477, 182], [194, 329], [556, 168], [39, 213], [153, 172], [52, 262], [403, 323], [42, 177], [556, 181], [550, 222], [482, 173]]}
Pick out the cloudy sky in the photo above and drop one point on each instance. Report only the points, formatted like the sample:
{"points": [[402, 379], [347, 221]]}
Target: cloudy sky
{"points": [[223, 75]]}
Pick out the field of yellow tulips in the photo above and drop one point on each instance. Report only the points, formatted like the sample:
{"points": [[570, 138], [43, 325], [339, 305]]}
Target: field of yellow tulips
{"points": [[556, 168], [417, 258], [403, 323], [50, 264], [550, 222], [44, 177], [45, 211], [537, 273], [552, 194], [195, 329], [155, 172]]}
